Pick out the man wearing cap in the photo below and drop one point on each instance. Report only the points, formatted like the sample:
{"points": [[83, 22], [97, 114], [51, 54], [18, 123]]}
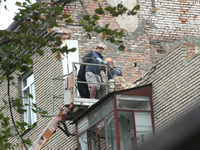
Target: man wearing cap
{"points": [[115, 71], [93, 73]]}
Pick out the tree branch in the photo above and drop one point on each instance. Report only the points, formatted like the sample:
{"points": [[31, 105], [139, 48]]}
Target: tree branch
{"points": [[11, 113]]}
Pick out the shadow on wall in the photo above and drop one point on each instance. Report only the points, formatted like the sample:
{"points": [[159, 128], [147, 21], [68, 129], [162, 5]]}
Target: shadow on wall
{"points": [[182, 135]]}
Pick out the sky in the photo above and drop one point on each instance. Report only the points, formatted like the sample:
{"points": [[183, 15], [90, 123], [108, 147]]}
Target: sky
{"points": [[6, 16]]}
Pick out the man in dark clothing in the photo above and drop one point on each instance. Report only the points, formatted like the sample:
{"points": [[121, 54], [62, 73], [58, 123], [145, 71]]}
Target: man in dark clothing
{"points": [[93, 73], [115, 71]]}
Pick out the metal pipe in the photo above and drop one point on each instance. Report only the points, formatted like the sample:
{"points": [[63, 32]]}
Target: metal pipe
{"points": [[52, 96], [106, 80]]}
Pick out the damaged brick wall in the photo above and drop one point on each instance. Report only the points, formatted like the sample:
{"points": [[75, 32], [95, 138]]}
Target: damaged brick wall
{"points": [[137, 43], [170, 22], [163, 25]]}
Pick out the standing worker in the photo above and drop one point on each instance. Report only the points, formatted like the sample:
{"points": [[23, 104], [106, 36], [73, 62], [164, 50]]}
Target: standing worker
{"points": [[93, 73]]}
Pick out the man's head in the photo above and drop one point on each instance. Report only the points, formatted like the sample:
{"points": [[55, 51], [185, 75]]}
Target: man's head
{"points": [[110, 61], [100, 48]]}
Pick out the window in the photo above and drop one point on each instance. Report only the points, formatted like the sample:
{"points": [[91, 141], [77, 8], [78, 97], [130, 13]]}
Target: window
{"points": [[121, 122], [29, 88]]}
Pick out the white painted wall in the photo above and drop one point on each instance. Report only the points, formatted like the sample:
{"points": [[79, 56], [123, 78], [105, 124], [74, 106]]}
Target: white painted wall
{"points": [[70, 57], [129, 23]]}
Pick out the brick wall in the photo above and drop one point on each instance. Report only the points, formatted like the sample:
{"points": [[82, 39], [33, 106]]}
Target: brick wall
{"points": [[137, 43], [161, 29], [170, 22], [44, 69], [163, 25], [175, 86]]}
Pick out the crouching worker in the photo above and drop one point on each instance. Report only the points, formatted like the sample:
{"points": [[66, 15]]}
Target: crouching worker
{"points": [[115, 71], [93, 73]]}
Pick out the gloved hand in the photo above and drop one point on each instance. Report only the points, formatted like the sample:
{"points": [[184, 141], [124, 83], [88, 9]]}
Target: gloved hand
{"points": [[96, 60], [93, 58], [99, 60]]}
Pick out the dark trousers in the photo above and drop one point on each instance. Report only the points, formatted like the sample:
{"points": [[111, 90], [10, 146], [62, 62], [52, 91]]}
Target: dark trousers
{"points": [[83, 89]]}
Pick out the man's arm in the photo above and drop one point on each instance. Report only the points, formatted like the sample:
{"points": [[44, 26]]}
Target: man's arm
{"points": [[117, 71], [88, 57]]}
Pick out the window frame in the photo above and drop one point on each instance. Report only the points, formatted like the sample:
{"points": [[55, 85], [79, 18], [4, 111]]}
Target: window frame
{"points": [[30, 116], [142, 91]]}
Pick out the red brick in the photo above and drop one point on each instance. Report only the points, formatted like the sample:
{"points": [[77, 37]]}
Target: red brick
{"points": [[182, 19], [189, 44], [184, 10]]}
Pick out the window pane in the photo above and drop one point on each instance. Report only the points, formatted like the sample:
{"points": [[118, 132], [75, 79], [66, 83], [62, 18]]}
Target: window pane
{"points": [[32, 101], [29, 88], [82, 124], [101, 136], [94, 115], [107, 106], [92, 139], [143, 127], [27, 81], [26, 102], [133, 102], [126, 132], [24, 83], [110, 132], [82, 140]]}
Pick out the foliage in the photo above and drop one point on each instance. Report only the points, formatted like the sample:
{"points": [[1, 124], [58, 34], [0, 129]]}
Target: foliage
{"points": [[16, 49], [90, 23], [33, 35]]}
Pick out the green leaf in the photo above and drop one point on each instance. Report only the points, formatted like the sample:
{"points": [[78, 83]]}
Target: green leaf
{"points": [[120, 5], [29, 61], [82, 22], [69, 21], [30, 95], [5, 7], [109, 8], [21, 111], [86, 17], [137, 7], [133, 13], [25, 56], [86, 28], [66, 16], [99, 11], [28, 1], [27, 141], [72, 49], [121, 48], [95, 17], [21, 123], [41, 111], [18, 4], [10, 78], [22, 128], [1, 116]]}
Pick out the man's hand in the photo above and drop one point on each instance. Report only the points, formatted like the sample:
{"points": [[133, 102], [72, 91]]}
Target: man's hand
{"points": [[93, 58]]}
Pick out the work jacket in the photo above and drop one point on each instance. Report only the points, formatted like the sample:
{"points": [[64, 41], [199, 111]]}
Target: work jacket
{"points": [[88, 59]]}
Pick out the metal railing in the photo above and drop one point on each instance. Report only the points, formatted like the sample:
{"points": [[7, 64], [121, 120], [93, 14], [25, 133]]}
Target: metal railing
{"points": [[75, 82]]}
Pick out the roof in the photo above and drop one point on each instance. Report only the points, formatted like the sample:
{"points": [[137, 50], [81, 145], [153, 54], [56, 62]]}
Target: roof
{"points": [[105, 98]]}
